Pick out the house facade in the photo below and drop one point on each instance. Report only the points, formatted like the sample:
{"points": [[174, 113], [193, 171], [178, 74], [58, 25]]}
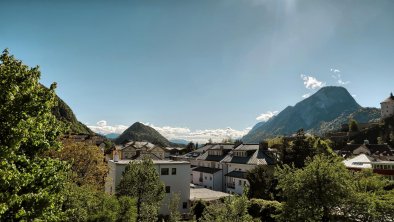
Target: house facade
{"points": [[387, 107], [174, 174], [138, 150]]}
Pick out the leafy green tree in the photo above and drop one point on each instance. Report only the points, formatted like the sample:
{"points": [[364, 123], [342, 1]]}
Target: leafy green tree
{"points": [[86, 160], [265, 210], [190, 147], [353, 125], [30, 185], [261, 183], [316, 192], [233, 209], [198, 209], [370, 201], [128, 210], [173, 207], [86, 203], [141, 181]]}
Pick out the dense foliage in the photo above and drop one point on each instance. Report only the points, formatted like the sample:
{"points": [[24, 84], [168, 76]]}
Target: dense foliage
{"points": [[30, 185], [141, 181]]}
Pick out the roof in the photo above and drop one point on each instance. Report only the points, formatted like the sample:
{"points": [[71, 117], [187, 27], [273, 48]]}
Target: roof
{"points": [[125, 162], [259, 157], [219, 146], [389, 99], [360, 161], [236, 174], [207, 170], [379, 151], [248, 147], [207, 157], [206, 194]]}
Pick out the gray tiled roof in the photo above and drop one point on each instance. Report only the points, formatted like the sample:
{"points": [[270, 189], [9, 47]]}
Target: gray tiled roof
{"points": [[259, 157], [206, 170], [207, 157], [236, 174]]}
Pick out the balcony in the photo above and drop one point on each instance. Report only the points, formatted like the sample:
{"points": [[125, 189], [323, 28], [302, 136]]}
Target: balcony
{"points": [[231, 185]]}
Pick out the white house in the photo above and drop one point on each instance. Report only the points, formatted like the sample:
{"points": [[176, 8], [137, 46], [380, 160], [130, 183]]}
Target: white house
{"points": [[209, 171], [174, 174], [387, 107], [243, 158]]}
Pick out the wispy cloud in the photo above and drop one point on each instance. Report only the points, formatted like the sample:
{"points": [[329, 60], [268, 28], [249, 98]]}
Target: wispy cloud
{"points": [[311, 82], [335, 70], [337, 76], [200, 136], [306, 95], [266, 116]]}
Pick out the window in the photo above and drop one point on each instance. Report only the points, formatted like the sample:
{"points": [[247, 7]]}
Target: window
{"points": [[239, 182], [184, 205], [168, 189], [164, 171], [244, 183], [210, 178], [173, 171], [205, 177]]}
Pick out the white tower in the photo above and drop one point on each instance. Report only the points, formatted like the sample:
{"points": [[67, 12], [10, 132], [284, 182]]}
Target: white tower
{"points": [[387, 107]]}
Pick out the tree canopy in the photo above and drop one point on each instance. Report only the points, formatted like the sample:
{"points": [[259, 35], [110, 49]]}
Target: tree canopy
{"points": [[141, 181], [30, 185]]}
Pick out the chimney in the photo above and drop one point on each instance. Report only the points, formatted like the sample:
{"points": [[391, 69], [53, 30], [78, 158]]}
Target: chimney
{"points": [[116, 156], [263, 145]]}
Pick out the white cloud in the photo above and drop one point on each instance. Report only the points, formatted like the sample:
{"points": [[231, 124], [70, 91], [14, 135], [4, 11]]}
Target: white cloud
{"points": [[266, 116], [311, 82], [101, 127], [338, 77], [200, 136], [306, 95], [335, 70]]}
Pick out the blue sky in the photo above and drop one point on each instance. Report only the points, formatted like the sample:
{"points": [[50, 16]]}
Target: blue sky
{"points": [[199, 67]]}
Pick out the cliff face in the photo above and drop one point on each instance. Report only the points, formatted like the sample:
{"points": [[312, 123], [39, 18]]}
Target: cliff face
{"points": [[324, 106]]}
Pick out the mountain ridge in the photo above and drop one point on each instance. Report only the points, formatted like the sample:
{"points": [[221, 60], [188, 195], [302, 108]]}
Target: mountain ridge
{"points": [[324, 106]]}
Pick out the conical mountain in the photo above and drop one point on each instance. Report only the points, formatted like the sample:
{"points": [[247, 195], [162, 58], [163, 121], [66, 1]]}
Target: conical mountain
{"points": [[324, 106], [141, 132]]}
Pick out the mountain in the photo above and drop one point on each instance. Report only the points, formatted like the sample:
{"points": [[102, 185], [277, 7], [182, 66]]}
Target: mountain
{"points": [[180, 141], [64, 113], [330, 107], [141, 132], [112, 135]]}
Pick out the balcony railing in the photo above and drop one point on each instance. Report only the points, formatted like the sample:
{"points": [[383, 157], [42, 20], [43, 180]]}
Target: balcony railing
{"points": [[231, 185]]}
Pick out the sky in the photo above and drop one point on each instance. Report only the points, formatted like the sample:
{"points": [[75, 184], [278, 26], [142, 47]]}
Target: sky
{"points": [[204, 68]]}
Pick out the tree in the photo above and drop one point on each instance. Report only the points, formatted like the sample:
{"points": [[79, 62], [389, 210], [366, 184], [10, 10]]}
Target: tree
{"points": [[233, 209], [30, 185], [174, 208], [86, 160], [190, 147], [141, 181], [261, 183], [86, 203], [353, 125], [316, 192], [198, 209]]}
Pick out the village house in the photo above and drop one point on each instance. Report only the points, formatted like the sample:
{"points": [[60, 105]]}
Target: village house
{"points": [[242, 159], [174, 174], [209, 170], [378, 157], [138, 150], [387, 107]]}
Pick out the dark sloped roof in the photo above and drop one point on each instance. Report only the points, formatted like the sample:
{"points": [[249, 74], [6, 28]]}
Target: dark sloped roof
{"points": [[207, 170], [220, 146], [207, 157], [259, 157], [236, 174], [380, 151]]}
